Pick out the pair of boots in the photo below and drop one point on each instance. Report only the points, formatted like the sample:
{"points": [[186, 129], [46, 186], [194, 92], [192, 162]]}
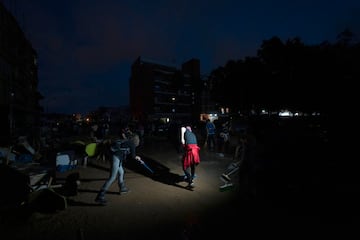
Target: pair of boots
{"points": [[100, 198]]}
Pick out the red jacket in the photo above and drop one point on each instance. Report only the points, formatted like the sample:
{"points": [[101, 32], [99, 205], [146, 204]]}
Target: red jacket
{"points": [[191, 155]]}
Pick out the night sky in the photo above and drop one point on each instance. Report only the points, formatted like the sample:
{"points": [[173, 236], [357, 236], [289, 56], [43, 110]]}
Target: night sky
{"points": [[86, 47]]}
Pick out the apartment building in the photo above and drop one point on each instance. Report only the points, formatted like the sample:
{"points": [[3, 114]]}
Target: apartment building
{"points": [[165, 92], [19, 96]]}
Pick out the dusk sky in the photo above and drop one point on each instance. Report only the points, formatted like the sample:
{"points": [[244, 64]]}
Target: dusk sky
{"points": [[86, 47]]}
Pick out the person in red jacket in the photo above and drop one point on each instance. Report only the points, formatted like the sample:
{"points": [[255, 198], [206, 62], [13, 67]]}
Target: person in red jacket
{"points": [[191, 157]]}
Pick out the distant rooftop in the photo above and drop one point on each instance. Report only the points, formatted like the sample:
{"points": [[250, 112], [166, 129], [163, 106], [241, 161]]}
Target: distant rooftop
{"points": [[168, 64]]}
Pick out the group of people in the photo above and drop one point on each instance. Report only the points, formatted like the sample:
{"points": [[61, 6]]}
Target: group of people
{"points": [[124, 149], [99, 131], [217, 139]]}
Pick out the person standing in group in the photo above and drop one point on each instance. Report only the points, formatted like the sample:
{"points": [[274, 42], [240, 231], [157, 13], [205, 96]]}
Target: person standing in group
{"points": [[126, 133], [191, 157], [210, 135], [96, 133], [120, 150], [223, 139]]}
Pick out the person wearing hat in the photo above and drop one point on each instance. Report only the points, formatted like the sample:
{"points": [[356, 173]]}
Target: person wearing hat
{"points": [[120, 149], [191, 157]]}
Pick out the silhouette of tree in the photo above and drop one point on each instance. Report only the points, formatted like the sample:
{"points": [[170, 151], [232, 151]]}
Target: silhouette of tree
{"points": [[290, 74]]}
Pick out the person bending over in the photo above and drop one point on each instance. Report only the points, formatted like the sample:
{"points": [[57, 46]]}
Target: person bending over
{"points": [[191, 157], [120, 150]]}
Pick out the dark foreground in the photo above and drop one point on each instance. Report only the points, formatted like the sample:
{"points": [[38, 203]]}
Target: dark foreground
{"points": [[290, 185]]}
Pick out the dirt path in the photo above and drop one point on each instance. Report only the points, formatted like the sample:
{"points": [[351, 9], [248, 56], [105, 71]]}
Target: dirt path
{"points": [[155, 207]]}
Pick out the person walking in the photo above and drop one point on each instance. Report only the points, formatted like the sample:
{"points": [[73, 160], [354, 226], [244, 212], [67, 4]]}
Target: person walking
{"points": [[121, 150], [191, 157]]}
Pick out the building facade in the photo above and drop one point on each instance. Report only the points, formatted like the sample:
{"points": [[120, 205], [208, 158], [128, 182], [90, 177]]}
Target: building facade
{"points": [[165, 92], [19, 96]]}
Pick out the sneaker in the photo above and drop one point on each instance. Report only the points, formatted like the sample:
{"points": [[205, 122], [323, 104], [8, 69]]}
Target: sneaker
{"points": [[226, 186], [124, 190], [101, 200], [191, 184]]}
